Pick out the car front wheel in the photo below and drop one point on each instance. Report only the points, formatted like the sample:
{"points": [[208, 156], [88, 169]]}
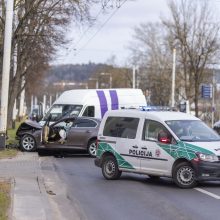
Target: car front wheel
{"points": [[28, 143], [110, 168], [92, 148], [184, 175]]}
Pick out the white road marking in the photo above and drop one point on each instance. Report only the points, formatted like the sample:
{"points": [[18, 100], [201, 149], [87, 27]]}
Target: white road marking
{"points": [[207, 193]]}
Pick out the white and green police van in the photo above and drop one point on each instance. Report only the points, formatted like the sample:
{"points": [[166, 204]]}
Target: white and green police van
{"points": [[168, 144]]}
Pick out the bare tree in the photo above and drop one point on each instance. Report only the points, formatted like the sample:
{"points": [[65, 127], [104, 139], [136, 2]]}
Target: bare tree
{"points": [[39, 27], [195, 33], [152, 54]]}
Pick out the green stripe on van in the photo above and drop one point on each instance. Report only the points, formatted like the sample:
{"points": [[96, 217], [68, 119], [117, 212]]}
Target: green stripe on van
{"points": [[104, 147], [184, 150]]}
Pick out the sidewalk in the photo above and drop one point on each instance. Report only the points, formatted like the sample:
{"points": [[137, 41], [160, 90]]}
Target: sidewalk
{"points": [[29, 197]]}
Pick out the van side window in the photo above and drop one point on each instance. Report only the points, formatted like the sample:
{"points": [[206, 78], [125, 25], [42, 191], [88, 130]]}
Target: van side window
{"points": [[123, 127], [153, 130], [89, 111]]}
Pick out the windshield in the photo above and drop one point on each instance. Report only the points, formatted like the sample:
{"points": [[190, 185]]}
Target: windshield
{"points": [[59, 111], [193, 130]]}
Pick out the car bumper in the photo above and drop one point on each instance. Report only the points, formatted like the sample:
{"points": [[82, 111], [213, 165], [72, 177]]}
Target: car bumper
{"points": [[207, 171], [97, 162]]}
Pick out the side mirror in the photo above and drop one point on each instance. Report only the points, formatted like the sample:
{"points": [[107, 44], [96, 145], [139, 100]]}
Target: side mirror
{"points": [[164, 137]]}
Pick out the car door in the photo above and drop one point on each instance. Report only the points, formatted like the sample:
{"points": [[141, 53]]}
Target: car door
{"points": [[126, 143], [80, 132], [155, 159]]}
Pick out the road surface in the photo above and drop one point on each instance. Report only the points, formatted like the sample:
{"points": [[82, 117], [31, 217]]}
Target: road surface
{"points": [[133, 196]]}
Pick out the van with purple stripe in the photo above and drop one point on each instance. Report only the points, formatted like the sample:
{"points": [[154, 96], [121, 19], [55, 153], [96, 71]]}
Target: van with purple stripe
{"points": [[94, 102]]}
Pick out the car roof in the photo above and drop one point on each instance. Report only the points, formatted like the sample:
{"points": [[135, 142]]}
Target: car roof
{"points": [[154, 115], [170, 115]]}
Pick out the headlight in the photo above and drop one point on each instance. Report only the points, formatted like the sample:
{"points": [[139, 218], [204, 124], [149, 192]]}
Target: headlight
{"points": [[208, 157]]}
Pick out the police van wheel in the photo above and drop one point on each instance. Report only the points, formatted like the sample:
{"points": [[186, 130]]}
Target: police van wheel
{"points": [[110, 168], [184, 175]]}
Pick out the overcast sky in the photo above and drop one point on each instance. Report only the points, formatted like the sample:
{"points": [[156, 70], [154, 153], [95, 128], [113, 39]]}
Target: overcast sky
{"points": [[88, 45]]}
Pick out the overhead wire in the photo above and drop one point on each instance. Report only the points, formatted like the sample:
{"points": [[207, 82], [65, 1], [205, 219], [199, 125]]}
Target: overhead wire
{"points": [[90, 26], [101, 27]]}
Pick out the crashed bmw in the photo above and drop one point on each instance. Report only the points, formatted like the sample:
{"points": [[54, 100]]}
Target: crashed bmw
{"points": [[66, 134]]}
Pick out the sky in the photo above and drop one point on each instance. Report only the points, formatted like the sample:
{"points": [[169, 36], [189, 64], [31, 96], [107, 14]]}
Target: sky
{"points": [[112, 32]]}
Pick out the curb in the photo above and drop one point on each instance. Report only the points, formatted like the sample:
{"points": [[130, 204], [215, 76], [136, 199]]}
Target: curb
{"points": [[58, 194], [12, 180]]}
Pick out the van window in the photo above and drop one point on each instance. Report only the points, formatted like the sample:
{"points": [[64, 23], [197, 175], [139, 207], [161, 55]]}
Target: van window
{"points": [[89, 111], [123, 127], [192, 130], [59, 111], [152, 129]]}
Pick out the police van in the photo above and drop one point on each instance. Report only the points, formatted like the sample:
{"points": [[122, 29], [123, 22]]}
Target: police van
{"points": [[159, 144]]}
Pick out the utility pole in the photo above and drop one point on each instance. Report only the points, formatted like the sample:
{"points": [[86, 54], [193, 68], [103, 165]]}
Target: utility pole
{"points": [[6, 72], [213, 97], [173, 79], [134, 76]]}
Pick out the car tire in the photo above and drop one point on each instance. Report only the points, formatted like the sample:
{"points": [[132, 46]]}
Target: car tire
{"points": [[110, 168], [28, 143], [92, 148], [184, 175]]}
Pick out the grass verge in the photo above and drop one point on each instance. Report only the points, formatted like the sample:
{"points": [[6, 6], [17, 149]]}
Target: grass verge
{"points": [[8, 153], [11, 133], [11, 142], [4, 199]]}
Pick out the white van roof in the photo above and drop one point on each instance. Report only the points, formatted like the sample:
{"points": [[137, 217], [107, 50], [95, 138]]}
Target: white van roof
{"points": [[158, 115], [81, 95]]}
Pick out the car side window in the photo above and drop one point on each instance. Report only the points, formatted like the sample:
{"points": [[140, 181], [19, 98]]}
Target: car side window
{"points": [[122, 127], [89, 111], [155, 131], [85, 123]]}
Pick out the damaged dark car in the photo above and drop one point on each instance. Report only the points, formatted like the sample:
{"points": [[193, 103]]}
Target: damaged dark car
{"points": [[72, 133]]}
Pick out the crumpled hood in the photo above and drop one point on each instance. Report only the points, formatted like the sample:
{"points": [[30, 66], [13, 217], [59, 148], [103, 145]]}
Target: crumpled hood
{"points": [[33, 124]]}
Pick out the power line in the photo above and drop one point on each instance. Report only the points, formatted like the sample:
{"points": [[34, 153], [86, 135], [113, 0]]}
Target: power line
{"points": [[106, 21], [90, 26]]}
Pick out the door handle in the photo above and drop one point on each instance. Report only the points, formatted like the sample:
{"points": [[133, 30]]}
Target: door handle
{"points": [[144, 148], [88, 131], [135, 146]]}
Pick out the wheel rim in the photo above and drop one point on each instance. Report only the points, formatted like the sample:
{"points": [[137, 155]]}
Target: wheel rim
{"points": [[185, 175], [92, 149], [110, 168], [28, 143]]}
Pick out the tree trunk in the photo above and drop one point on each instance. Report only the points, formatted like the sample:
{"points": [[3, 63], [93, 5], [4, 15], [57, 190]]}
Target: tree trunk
{"points": [[13, 95]]}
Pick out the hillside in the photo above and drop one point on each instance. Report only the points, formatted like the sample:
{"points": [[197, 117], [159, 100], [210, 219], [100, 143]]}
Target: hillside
{"points": [[70, 72]]}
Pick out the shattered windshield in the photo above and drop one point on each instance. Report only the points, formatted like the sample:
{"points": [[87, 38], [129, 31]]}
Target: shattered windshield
{"points": [[59, 111], [193, 130]]}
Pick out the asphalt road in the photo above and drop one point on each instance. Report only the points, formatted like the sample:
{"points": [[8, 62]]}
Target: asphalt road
{"points": [[134, 196]]}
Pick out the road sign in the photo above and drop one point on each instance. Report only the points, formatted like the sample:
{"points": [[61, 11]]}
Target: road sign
{"points": [[206, 91]]}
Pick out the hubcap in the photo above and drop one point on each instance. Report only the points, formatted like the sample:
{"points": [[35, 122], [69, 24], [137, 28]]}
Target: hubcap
{"points": [[28, 143], [110, 168], [92, 149], [185, 175]]}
